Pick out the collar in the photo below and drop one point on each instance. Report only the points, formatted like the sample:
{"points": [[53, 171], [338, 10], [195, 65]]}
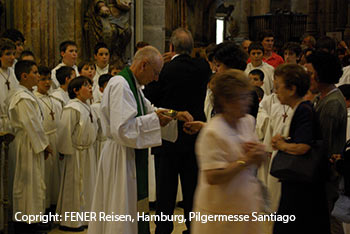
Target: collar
{"points": [[174, 56]]}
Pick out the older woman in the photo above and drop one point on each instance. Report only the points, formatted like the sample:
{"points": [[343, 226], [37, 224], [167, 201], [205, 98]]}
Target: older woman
{"points": [[307, 201], [228, 155]]}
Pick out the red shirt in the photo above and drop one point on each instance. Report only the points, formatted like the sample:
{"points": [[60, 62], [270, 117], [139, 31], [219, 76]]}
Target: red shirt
{"points": [[274, 60]]}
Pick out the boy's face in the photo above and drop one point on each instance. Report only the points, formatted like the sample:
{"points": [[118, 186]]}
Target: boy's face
{"points": [[290, 57], [19, 48], [7, 58], [268, 43], [219, 66], [32, 77], [255, 80], [69, 57], [103, 88], [44, 83], [256, 56], [102, 57], [88, 71]]}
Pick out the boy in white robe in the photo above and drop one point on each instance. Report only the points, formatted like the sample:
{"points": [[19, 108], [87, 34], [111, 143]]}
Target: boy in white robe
{"points": [[64, 75], [52, 110], [101, 56], [256, 53], [31, 147], [101, 138], [76, 142], [69, 54]]}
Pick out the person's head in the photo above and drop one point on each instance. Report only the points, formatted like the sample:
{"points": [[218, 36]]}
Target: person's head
{"points": [[69, 52], [27, 55], [260, 92], [140, 45], [308, 42], [256, 77], [115, 67], [231, 94], [326, 44], [27, 73], [16, 37], [181, 41], [345, 89], [87, 68], [245, 45], [65, 74], [304, 54], [81, 88], [228, 55], [101, 54], [7, 52], [267, 39], [324, 67], [147, 64], [44, 83], [256, 53], [103, 81], [292, 83], [291, 52], [209, 53]]}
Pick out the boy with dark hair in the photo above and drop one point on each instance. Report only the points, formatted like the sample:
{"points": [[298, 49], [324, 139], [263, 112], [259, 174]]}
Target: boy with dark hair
{"points": [[267, 40], [101, 56], [69, 54], [256, 77], [27, 55], [256, 52], [17, 38], [64, 75], [8, 80], [292, 52], [31, 147], [52, 109]]}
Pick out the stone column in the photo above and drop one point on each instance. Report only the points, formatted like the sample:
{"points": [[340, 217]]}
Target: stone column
{"points": [[244, 13], [154, 23], [311, 25], [299, 6]]}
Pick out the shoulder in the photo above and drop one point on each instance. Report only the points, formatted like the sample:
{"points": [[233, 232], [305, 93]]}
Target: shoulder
{"points": [[268, 67]]}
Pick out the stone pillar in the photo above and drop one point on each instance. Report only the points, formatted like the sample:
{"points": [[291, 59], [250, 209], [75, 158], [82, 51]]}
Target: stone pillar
{"points": [[347, 27], [311, 25], [298, 6], [154, 23], [244, 13]]}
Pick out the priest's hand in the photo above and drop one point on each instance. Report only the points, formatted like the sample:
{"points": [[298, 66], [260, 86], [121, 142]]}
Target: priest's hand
{"points": [[184, 116], [47, 151], [163, 118], [193, 127]]}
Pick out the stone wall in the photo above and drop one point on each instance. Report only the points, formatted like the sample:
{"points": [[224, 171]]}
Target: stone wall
{"points": [[154, 23]]}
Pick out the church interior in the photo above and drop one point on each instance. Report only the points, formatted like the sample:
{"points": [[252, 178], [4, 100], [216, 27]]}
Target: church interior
{"points": [[123, 24]]}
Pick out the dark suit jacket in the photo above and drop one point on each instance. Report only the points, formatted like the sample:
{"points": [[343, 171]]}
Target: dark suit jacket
{"points": [[181, 86]]}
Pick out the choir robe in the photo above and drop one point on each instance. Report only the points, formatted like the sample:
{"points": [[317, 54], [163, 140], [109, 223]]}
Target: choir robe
{"points": [[101, 138], [53, 166], [5, 126], [76, 138], [96, 93], [116, 185], [61, 95], [25, 115]]}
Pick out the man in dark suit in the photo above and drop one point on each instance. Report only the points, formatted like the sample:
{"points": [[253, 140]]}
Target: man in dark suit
{"points": [[182, 85]]}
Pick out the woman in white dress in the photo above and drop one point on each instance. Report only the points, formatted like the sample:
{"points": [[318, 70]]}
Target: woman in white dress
{"points": [[228, 154]]}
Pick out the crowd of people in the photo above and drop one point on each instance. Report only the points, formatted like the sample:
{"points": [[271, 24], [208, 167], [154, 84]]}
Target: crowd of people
{"points": [[82, 133]]}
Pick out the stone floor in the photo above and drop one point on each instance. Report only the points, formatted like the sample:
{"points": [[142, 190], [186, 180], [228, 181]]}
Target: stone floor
{"points": [[178, 227]]}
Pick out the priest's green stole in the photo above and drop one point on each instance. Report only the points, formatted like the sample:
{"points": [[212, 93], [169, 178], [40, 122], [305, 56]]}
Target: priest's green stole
{"points": [[141, 159]]}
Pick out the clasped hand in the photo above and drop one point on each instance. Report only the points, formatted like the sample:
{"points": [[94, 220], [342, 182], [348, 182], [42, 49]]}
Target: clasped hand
{"points": [[165, 119]]}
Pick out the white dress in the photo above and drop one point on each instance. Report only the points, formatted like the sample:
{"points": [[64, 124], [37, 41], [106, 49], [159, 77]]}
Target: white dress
{"points": [[26, 117], [115, 191], [77, 135], [101, 138], [217, 146], [52, 165]]}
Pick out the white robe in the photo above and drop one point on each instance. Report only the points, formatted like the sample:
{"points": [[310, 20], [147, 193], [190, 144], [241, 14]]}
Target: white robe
{"points": [[77, 136], [25, 116], [61, 95], [268, 78], [116, 185], [55, 83], [101, 138], [96, 93], [53, 165], [345, 78]]}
